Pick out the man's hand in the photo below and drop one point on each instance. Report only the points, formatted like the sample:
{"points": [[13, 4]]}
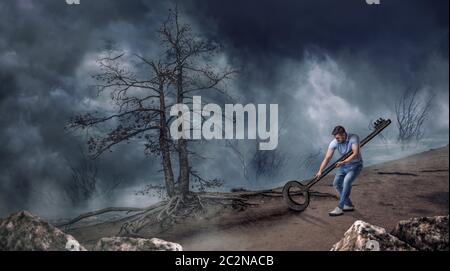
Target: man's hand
{"points": [[318, 174], [339, 164]]}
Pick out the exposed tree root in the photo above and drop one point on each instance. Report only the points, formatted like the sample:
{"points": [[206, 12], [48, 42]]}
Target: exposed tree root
{"points": [[99, 212], [168, 212], [179, 208]]}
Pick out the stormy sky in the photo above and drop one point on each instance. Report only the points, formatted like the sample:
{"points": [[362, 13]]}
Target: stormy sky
{"points": [[324, 62]]}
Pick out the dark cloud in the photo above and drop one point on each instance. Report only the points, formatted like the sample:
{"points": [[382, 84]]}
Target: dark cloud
{"points": [[322, 61], [266, 32]]}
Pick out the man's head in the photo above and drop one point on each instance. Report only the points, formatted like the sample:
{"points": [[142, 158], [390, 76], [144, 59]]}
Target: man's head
{"points": [[339, 133]]}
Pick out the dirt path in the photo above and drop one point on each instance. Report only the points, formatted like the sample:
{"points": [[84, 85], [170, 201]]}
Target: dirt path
{"points": [[383, 194]]}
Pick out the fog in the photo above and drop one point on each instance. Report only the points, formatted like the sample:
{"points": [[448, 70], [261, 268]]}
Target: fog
{"points": [[324, 64]]}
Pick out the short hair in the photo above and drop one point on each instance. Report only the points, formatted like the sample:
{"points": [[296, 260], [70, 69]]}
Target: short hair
{"points": [[338, 130]]}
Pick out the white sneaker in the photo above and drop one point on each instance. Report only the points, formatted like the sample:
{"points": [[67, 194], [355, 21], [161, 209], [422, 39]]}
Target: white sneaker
{"points": [[348, 208], [336, 212]]}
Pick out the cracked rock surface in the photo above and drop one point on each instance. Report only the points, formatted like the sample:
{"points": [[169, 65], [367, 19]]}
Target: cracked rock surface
{"points": [[24, 231]]}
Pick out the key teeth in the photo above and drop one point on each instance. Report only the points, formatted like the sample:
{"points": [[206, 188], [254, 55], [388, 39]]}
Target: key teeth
{"points": [[379, 122]]}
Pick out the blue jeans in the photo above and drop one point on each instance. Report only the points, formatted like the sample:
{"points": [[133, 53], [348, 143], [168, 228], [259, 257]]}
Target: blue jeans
{"points": [[343, 181]]}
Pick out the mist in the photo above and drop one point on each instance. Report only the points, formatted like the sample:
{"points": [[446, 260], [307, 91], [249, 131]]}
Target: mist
{"points": [[320, 69]]}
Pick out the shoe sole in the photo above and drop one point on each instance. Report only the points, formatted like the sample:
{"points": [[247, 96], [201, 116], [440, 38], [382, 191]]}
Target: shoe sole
{"points": [[351, 210], [335, 214]]}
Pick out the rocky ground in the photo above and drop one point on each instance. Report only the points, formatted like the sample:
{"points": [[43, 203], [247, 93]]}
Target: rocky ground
{"points": [[24, 231], [425, 234]]}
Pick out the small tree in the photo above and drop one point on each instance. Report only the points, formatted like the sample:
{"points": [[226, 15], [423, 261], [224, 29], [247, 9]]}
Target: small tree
{"points": [[268, 163], [84, 181], [411, 113], [257, 164]]}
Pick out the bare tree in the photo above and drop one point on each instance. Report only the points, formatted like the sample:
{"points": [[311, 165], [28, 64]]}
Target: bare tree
{"points": [[257, 163], [186, 54], [83, 185], [241, 155], [267, 163], [411, 113], [85, 182], [142, 105]]}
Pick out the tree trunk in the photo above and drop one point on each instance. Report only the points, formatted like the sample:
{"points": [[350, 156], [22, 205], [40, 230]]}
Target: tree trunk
{"points": [[183, 156], [163, 143], [183, 179]]}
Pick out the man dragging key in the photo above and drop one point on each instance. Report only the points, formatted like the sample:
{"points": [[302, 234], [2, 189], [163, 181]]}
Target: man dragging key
{"points": [[348, 169]]}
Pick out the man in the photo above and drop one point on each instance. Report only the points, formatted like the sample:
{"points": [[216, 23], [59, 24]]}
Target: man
{"points": [[348, 169]]}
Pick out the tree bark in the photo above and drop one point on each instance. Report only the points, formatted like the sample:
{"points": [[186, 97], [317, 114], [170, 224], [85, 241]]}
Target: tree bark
{"points": [[183, 156], [183, 178], [163, 142]]}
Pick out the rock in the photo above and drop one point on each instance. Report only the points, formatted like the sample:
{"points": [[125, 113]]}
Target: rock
{"points": [[135, 244], [426, 233], [362, 236], [25, 232]]}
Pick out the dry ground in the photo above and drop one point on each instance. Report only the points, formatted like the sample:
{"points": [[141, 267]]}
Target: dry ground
{"points": [[383, 194]]}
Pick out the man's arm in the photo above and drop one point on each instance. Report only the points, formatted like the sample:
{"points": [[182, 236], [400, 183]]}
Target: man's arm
{"points": [[355, 153], [325, 162]]}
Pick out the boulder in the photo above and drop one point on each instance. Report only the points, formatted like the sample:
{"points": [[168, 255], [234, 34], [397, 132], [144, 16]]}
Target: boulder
{"points": [[135, 244], [425, 233], [362, 236], [25, 232]]}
